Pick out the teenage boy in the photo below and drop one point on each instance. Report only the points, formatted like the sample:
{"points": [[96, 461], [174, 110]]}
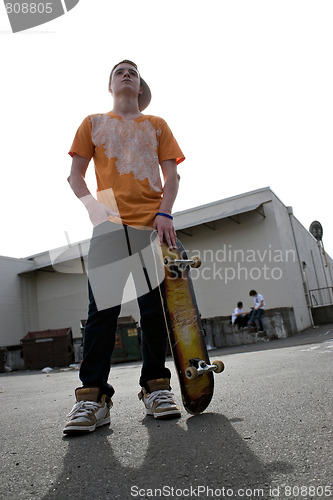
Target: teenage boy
{"points": [[128, 148], [258, 309], [239, 316]]}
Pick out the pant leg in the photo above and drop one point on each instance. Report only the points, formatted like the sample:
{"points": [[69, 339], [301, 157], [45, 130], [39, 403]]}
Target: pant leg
{"points": [[154, 340], [99, 339], [252, 316], [258, 317], [245, 320]]}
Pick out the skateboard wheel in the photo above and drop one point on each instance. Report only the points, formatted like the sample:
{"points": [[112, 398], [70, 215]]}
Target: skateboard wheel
{"points": [[167, 261], [220, 366], [191, 372], [197, 262]]}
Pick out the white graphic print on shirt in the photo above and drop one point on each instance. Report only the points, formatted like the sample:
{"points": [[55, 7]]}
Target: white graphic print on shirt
{"points": [[133, 145]]}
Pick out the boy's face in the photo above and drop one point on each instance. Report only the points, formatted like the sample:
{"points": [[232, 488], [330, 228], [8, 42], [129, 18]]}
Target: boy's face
{"points": [[125, 81]]}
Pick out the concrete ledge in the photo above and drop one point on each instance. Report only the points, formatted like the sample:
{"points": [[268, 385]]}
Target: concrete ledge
{"points": [[278, 323]]}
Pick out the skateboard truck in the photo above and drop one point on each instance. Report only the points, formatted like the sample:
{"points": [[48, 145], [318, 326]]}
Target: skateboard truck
{"points": [[182, 263], [199, 366]]}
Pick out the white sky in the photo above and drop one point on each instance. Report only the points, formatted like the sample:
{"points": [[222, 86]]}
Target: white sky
{"points": [[246, 87]]}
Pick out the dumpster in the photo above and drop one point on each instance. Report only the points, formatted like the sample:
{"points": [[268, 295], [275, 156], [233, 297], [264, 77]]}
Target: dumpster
{"points": [[3, 359], [127, 345], [52, 348]]}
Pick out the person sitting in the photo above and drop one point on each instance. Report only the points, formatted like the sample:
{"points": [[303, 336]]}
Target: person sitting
{"points": [[239, 317]]}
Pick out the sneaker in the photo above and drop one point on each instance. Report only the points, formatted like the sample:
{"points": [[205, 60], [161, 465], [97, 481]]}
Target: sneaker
{"points": [[158, 399], [90, 411]]}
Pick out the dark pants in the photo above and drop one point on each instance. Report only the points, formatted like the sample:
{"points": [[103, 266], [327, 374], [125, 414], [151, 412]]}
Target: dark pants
{"points": [[257, 315], [100, 333], [242, 321]]}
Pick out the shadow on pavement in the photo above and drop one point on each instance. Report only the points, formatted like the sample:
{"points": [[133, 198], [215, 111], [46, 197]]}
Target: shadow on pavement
{"points": [[206, 452]]}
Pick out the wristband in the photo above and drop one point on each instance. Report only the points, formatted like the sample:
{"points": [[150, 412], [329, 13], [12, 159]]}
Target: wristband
{"points": [[164, 215]]}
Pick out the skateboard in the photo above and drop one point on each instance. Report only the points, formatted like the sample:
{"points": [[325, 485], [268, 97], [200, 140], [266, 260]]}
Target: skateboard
{"points": [[186, 336]]}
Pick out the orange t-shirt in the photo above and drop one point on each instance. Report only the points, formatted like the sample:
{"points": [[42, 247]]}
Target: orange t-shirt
{"points": [[127, 154]]}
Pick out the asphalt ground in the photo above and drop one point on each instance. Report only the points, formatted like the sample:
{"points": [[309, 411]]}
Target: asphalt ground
{"points": [[267, 433]]}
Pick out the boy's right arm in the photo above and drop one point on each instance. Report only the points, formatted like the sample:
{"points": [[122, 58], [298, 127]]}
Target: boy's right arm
{"points": [[98, 212]]}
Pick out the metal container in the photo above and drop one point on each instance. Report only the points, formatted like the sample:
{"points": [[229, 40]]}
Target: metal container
{"points": [[53, 348], [127, 345]]}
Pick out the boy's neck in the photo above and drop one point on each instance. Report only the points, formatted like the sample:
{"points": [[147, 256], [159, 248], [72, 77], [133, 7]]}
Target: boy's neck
{"points": [[127, 108]]}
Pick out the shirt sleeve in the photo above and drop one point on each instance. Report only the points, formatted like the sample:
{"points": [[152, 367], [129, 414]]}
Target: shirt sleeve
{"points": [[82, 144], [168, 148]]}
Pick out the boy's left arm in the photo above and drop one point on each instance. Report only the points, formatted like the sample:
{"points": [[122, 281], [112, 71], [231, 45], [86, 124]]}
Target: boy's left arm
{"points": [[164, 225]]}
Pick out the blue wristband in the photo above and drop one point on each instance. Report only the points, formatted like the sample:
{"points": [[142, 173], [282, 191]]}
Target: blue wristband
{"points": [[164, 215]]}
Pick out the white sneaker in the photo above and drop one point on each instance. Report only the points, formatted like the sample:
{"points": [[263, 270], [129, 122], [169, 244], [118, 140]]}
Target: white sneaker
{"points": [[159, 401], [90, 411]]}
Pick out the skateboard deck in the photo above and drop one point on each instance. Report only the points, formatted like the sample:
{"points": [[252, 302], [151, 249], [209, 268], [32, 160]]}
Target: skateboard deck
{"points": [[185, 332]]}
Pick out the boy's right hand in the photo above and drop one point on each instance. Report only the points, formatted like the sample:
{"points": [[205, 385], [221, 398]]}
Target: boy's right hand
{"points": [[98, 213]]}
